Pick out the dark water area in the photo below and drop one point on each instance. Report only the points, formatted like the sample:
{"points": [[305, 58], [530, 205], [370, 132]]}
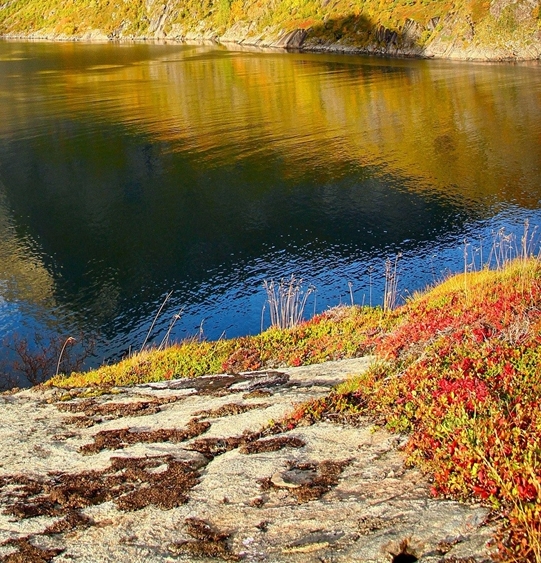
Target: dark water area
{"points": [[131, 170]]}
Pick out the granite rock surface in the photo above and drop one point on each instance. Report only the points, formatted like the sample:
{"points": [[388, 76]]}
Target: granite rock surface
{"points": [[187, 470]]}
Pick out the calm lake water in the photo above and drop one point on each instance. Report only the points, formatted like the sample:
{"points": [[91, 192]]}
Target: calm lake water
{"points": [[128, 171]]}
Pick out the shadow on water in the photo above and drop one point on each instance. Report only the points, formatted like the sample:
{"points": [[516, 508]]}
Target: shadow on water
{"points": [[104, 231]]}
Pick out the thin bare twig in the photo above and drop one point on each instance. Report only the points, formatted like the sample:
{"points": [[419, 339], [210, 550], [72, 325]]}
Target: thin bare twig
{"points": [[155, 319]]}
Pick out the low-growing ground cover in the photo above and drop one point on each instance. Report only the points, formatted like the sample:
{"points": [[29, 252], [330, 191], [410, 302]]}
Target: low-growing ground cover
{"points": [[344, 332], [459, 369]]}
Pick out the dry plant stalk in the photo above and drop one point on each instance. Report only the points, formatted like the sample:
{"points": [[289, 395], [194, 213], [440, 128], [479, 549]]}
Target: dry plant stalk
{"points": [[287, 301], [390, 292]]}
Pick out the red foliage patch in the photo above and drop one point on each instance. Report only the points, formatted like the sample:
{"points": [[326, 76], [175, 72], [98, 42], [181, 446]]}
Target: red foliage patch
{"points": [[463, 377]]}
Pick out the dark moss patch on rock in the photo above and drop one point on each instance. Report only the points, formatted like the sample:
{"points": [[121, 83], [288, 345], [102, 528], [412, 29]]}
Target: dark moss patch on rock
{"points": [[27, 498], [247, 442], [165, 489], [123, 437], [131, 483], [271, 444], [94, 411], [257, 394], [207, 542], [28, 553], [230, 409], [40, 507], [327, 475], [212, 447], [73, 520], [80, 421], [306, 481]]}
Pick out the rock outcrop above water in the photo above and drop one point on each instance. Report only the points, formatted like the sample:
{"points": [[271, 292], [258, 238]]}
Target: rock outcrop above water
{"points": [[476, 30], [190, 470]]}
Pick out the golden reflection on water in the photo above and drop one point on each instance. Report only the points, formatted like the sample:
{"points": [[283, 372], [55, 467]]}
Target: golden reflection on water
{"points": [[23, 276], [470, 133], [146, 166], [464, 130], [467, 130]]}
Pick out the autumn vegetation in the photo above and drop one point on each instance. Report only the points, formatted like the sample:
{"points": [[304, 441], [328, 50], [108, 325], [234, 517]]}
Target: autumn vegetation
{"points": [[503, 26], [457, 368], [459, 371]]}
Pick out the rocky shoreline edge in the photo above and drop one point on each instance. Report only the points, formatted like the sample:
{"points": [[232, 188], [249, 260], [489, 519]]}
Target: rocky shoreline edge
{"points": [[195, 470], [295, 41]]}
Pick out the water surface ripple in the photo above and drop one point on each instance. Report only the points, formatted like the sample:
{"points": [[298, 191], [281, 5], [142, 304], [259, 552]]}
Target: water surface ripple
{"points": [[127, 171]]}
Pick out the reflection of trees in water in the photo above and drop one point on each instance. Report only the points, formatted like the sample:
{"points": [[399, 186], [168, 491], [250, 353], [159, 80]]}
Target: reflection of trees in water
{"points": [[22, 274], [183, 167], [319, 111]]}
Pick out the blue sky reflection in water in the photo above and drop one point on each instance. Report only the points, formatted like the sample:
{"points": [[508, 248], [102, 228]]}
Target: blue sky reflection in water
{"points": [[128, 171]]}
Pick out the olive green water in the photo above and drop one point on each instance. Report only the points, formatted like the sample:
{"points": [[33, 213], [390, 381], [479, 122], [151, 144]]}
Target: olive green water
{"points": [[127, 171]]}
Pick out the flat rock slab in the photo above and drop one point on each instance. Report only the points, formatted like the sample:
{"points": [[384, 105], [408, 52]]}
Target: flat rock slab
{"points": [[181, 471]]}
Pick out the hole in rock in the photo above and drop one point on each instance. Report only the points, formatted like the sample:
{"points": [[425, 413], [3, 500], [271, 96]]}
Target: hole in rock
{"points": [[404, 558]]}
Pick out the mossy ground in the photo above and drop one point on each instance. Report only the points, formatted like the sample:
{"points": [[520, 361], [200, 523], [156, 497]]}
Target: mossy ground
{"points": [[459, 370]]}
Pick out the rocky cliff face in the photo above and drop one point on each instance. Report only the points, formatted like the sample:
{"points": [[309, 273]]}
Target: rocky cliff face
{"points": [[458, 29]]}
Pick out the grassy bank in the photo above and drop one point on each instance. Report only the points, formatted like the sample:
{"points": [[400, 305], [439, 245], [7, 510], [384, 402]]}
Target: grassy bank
{"points": [[335, 334], [458, 369], [459, 28]]}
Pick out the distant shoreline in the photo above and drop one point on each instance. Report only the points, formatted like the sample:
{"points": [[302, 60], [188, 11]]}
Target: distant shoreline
{"points": [[500, 31], [334, 49]]}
